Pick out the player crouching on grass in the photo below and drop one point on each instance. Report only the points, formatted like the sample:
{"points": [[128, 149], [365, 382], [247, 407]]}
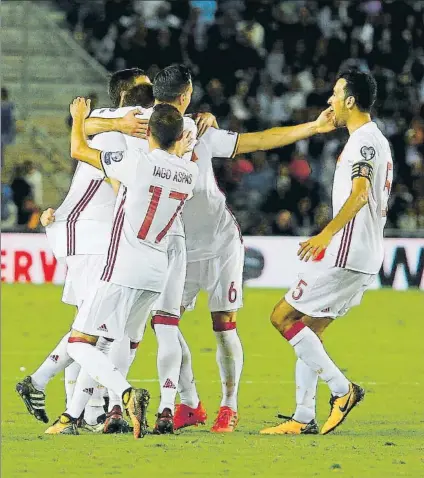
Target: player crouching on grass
{"points": [[135, 268], [352, 249]]}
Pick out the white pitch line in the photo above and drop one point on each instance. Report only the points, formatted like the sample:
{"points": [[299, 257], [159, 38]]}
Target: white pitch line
{"points": [[250, 382]]}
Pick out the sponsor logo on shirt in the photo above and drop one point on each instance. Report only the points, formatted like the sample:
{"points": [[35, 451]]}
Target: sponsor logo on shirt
{"points": [[110, 156]]}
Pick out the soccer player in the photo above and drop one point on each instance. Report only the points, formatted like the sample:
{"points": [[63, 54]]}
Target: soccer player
{"points": [[352, 249], [173, 86], [80, 235], [154, 188], [215, 255]]}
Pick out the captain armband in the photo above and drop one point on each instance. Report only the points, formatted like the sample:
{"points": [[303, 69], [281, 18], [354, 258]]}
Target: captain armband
{"points": [[363, 170]]}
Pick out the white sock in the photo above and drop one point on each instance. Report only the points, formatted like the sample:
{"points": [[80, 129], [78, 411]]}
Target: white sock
{"points": [[306, 387], [98, 366], [169, 364], [309, 348], [186, 384], [122, 356], [71, 375], [85, 389], [57, 361], [229, 356], [94, 407]]}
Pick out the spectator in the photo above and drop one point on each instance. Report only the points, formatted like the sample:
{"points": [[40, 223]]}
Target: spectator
{"points": [[283, 224], [9, 213], [23, 197], [8, 124], [35, 179]]}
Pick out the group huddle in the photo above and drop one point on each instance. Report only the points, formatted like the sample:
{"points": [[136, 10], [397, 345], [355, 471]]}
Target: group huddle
{"points": [[144, 227]]}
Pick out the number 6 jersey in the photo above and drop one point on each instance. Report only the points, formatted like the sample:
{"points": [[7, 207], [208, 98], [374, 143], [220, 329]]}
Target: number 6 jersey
{"points": [[359, 246], [154, 189]]}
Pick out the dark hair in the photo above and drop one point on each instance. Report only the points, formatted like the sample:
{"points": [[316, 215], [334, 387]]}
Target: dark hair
{"points": [[4, 93], [140, 95], [166, 125], [362, 86], [171, 82], [120, 81]]}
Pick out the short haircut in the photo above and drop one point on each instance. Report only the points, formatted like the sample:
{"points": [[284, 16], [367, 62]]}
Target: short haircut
{"points": [[362, 86], [166, 125], [140, 95], [120, 81], [171, 82]]}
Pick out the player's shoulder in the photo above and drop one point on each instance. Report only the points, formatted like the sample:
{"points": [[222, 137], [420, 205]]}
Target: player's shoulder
{"points": [[370, 141]]}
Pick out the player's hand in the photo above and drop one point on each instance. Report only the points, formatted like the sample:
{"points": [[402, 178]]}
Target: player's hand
{"points": [[47, 217], [325, 121], [133, 126], [205, 121], [185, 144], [314, 246], [80, 107]]}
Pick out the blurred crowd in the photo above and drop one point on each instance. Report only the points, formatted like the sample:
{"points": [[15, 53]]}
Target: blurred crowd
{"points": [[22, 196], [269, 62]]}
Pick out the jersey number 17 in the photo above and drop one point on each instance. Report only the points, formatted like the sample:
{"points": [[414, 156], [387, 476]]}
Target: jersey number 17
{"points": [[156, 192]]}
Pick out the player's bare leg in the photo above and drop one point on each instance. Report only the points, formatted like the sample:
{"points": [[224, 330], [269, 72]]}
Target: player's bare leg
{"points": [[94, 362], [229, 357], [310, 350]]}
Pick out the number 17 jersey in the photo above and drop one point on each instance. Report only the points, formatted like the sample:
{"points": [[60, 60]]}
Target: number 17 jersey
{"points": [[154, 188]]}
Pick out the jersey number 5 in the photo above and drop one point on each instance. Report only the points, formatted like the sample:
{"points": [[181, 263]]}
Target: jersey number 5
{"points": [[151, 211]]}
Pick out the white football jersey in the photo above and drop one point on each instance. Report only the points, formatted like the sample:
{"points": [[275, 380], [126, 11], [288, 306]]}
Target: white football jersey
{"points": [[83, 221], [209, 224], [137, 143], [154, 188], [359, 246]]}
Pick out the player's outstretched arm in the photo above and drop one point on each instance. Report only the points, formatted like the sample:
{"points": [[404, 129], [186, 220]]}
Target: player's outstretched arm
{"points": [[314, 246], [80, 108], [128, 124], [279, 137]]}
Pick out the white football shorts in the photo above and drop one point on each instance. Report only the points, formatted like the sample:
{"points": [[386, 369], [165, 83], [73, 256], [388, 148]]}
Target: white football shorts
{"points": [[114, 311], [221, 277], [328, 291], [83, 271], [171, 298]]}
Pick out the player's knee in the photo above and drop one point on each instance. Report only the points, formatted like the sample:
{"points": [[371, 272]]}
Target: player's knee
{"points": [[222, 321]]}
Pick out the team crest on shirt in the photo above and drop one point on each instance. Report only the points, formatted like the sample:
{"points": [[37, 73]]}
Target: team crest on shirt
{"points": [[367, 152], [110, 156]]}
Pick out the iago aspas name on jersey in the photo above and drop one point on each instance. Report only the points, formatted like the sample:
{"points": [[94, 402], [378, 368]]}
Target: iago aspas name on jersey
{"points": [[179, 176]]}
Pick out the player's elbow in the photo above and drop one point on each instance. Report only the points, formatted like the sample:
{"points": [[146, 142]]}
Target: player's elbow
{"points": [[77, 151]]}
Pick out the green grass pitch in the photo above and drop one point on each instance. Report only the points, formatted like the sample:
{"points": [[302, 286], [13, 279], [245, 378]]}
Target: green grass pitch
{"points": [[379, 345]]}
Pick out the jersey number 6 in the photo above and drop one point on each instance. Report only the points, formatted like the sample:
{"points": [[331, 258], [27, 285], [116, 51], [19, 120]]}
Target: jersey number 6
{"points": [[151, 211]]}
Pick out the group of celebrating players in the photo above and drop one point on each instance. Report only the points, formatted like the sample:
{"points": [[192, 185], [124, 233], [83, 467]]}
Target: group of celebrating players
{"points": [[144, 227]]}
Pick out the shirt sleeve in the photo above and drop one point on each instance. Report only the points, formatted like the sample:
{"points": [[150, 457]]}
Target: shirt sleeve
{"points": [[111, 112], [223, 143], [121, 165], [364, 157]]}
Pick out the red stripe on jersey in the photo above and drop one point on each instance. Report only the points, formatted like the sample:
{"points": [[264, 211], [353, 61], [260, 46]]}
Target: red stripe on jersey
{"points": [[114, 240], [340, 247], [88, 195], [349, 240]]}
